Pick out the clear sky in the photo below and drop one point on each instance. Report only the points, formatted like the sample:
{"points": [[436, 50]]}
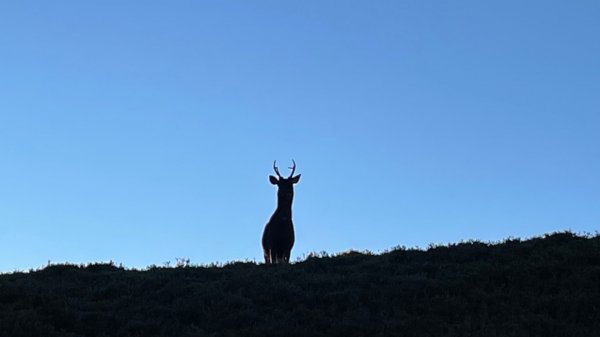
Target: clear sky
{"points": [[142, 131]]}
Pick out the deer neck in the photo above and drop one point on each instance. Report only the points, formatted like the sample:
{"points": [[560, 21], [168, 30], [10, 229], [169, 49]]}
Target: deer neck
{"points": [[284, 208]]}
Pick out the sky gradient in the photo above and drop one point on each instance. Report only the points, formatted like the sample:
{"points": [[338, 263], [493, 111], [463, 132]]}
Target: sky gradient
{"points": [[142, 131]]}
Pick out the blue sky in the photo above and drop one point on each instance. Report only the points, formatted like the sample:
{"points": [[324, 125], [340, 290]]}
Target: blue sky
{"points": [[142, 131]]}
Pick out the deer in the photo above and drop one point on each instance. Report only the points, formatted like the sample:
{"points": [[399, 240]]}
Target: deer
{"points": [[278, 236]]}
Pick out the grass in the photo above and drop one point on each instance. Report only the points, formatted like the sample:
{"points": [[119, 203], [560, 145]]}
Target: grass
{"points": [[546, 286]]}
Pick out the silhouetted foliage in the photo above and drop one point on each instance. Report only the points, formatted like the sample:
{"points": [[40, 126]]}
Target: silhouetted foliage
{"points": [[546, 286]]}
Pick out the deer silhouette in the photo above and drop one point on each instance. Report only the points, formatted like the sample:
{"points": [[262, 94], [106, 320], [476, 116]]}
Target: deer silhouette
{"points": [[278, 236]]}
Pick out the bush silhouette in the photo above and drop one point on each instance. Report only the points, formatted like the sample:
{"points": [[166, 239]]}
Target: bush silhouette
{"points": [[544, 286]]}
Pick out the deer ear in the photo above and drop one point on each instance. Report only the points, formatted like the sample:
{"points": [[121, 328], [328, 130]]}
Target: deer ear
{"points": [[296, 179], [273, 180]]}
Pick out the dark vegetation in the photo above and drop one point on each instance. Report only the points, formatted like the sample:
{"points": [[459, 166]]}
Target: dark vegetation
{"points": [[546, 286]]}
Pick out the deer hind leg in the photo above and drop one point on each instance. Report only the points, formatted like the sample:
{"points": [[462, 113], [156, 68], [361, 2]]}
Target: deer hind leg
{"points": [[285, 257], [281, 257], [268, 256]]}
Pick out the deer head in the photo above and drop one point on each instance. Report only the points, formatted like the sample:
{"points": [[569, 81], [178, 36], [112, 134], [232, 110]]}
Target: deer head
{"points": [[285, 185]]}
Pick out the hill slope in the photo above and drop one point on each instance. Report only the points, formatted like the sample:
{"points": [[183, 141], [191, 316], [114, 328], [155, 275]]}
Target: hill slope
{"points": [[540, 287]]}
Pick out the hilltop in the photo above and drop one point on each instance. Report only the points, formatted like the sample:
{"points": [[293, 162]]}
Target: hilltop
{"points": [[546, 286]]}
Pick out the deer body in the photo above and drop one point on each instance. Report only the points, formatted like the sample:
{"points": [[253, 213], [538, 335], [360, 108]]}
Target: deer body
{"points": [[278, 236]]}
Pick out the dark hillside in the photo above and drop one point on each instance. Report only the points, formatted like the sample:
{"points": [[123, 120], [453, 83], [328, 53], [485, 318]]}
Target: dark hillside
{"points": [[546, 286]]}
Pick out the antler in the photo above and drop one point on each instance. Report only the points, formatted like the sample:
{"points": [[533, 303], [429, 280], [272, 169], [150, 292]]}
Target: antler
{"points": [[276, 169], [293, 168]]}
